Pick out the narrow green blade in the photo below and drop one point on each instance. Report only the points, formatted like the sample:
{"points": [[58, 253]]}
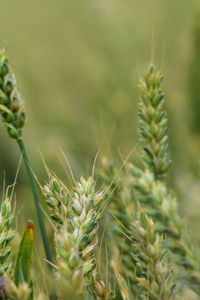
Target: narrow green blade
{"points": [[24, 258]]}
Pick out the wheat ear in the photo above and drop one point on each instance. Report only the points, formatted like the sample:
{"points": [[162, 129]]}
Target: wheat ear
{"points": [[149, 184]]}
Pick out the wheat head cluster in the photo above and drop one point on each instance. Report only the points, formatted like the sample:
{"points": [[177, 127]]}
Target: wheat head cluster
{"points": [[118, 237]]}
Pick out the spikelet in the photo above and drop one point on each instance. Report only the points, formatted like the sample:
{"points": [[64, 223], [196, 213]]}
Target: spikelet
{"points": [[57, 199], [11, 107], [20, 292]]}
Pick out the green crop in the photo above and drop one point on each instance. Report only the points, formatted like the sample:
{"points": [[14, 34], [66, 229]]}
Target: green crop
{"points": [[119, 237]]}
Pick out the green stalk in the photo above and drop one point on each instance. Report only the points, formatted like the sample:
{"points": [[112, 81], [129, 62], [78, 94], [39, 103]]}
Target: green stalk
{"points": [[36, 198], [14, 116]]}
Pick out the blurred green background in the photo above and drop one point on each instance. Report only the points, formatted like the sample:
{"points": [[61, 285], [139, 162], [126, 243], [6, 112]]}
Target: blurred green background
{"points": [[78, 62]]}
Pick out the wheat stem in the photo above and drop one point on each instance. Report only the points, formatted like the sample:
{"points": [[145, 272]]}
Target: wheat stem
{"points": [[13, 116], [34, 189]]}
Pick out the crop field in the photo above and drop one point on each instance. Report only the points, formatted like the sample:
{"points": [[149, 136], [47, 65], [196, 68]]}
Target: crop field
{"points": [[100, 150]]}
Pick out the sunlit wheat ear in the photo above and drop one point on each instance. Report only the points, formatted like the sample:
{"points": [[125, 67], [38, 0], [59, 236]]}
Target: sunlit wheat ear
{"points": [[76, 216], [153, 123], [11, 106], [84, 221]]}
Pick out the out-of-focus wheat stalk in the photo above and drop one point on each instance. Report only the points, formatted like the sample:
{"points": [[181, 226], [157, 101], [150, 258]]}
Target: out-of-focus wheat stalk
{"points": [[13, 117], [121, 209], [143, 267]]}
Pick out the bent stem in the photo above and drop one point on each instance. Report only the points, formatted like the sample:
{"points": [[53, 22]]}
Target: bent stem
{"points": [[36, 199]]}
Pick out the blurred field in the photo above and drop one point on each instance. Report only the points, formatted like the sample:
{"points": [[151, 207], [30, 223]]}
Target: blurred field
{"points": [[78, 63]]}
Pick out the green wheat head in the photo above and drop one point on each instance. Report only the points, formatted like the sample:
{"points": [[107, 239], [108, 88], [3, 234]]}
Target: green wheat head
{"points": [[152, 193], [13, 117], [11, 106], [153, 124]]}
